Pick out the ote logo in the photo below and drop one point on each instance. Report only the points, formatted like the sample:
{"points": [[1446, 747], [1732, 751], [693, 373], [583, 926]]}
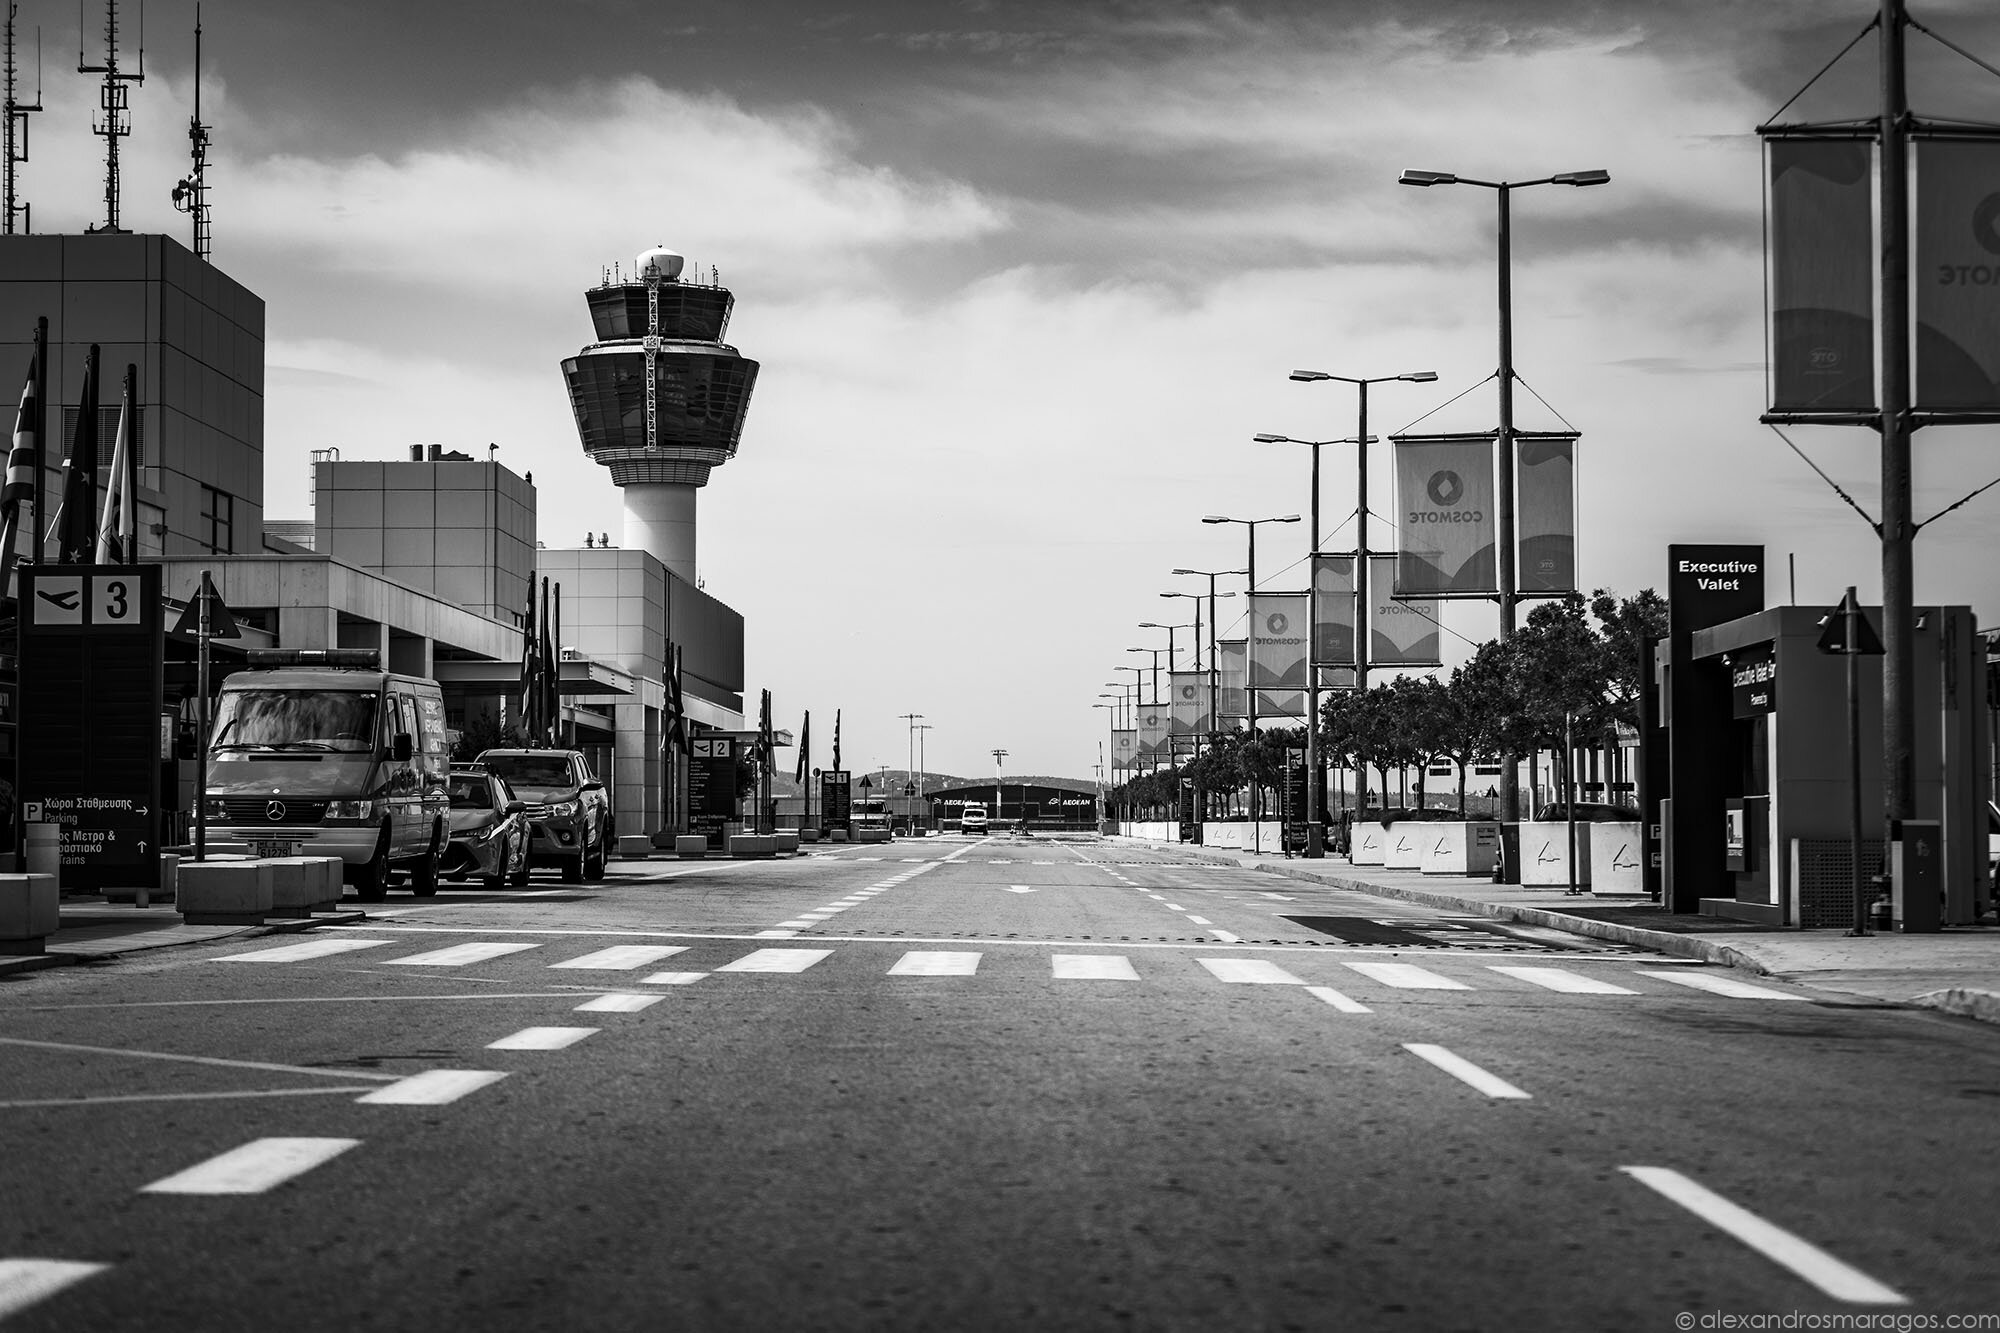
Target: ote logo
{"points": [[1277, 622], [1986, 223], [1187, 692], [1446, 488]]}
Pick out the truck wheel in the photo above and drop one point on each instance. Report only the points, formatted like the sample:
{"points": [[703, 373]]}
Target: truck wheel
{"points": [[371, 880], [593, 863], [424, 874], [498, 879], [572, 869], [519, 879]]}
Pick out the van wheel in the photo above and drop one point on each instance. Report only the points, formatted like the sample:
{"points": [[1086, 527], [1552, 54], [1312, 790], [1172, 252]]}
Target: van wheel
{"points": [[371, 881], [424, 874]]}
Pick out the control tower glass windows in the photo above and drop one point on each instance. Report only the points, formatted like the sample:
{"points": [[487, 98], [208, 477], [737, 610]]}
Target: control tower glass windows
{"points": [[217, 529]]}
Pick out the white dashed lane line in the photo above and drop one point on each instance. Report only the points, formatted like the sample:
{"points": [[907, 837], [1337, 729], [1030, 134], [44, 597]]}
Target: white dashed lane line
{"points": [[254, 1168], [1465, 1071]]}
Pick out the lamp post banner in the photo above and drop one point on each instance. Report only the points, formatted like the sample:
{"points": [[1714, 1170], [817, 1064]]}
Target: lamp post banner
{"points": [[1154, 729], [1190, 691], [1124, 749], [1444, 516], [1278, 640], [1232, 668], [1281, 703], [1957, 275], [1400, 633], [1822, 259], [1545, 514], [1333, 616]]}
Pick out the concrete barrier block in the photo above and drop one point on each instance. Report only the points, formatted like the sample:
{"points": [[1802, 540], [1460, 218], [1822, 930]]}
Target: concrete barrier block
{"points": [[332, 872], [691, 845], [1616, 854], [43, 843], [839, 835], [634, 844], [871, 835], [808, 835], [294, 885], [787, 842], [225, 893], [1545, 854], [1370, 843], [30, 911], [743, 846], [1471, 848]]}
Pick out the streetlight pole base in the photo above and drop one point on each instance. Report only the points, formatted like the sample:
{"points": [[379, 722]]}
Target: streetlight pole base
{"points": [[1315, 843]]}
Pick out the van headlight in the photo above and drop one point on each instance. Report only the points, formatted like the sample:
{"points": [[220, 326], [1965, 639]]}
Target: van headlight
{"points": [[363, 809]]}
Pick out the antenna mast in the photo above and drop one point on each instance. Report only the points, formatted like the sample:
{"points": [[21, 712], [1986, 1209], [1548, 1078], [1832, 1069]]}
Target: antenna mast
{"points": [[114, 101], [16, 115], [191, 194]]}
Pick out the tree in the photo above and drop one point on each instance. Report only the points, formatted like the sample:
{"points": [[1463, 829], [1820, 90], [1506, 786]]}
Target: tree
{"points": [[1421, 711], [1625, 625]]}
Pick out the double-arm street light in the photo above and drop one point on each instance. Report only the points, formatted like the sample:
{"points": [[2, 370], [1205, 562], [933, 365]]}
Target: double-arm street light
{"points": [[1361, 440], [1249, 665], [1510, 780], [1196, 627], [1214, 634], [1156, 671], [922, 727]]}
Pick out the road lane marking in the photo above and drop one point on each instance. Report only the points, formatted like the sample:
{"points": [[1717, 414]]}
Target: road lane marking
{"points": [[1560, 979], [1091, 967], [673, 978], [624, 957], [183, 1097], [1174, 907], [780, 934], [1338, 1001], [1225, 936], [1781, 1247], [540, 1039], [777, 960], [296, 953], [1464, 1070], [203, 1060], [935, 963], [1249, 971], [618, 1004], [458, 955], [433, 1087], [1405, 976], [1017, 888], [255, 1167], [1199, 920], [24, 1282], [1738, 990]]}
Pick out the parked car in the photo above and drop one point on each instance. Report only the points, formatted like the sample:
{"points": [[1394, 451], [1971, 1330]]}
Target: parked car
{"points": [[1588, 812], [489, 830], [572, 829], [1415, 814]]}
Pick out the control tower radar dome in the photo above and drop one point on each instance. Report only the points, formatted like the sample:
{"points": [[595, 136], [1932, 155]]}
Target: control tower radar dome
{"points": [[660, 399]]}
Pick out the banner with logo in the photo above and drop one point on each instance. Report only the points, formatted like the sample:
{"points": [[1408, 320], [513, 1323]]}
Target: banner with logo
{"points": [[1822, 257], [1333, 610], [1232, 674], [1190, 691], [1124, 749], [1957, 275], [1444, 516], [1277, 640], [1545, 515], [1401, 633], [1154, 728], [1281, 704]]}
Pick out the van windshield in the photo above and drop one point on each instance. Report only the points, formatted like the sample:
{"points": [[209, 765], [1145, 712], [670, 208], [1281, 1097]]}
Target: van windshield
{"points": [[340, 721]]}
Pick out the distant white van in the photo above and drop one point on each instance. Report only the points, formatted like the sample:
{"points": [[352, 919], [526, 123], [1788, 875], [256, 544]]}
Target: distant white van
{"points": [[972, 819]]}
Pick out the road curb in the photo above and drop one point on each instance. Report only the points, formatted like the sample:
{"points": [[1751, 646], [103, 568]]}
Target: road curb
{"points": [[1983, 1005]]}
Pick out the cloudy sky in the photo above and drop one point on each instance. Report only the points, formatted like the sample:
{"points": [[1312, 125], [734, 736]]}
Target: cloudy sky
{"points": [[1024, 279]]}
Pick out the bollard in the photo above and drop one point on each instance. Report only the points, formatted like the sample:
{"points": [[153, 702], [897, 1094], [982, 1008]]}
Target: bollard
{"points": [[44, 846]]}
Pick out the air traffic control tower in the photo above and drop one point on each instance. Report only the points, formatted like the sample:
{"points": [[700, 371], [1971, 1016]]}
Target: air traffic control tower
{"points": [[660, 398]]}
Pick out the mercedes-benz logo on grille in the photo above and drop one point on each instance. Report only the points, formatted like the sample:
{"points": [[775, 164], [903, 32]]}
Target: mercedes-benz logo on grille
{"points": [[274, 811]]}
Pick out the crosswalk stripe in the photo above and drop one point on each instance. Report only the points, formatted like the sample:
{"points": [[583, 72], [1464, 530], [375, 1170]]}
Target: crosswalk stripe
{"points": [[540, 1039], [1338, 1001], [935, 963], [255, 1167], [776, 960], [1559, 979], [1737, 990], [1249, 971], [458, 955], [433, 1087], [1199, 920], [1464, 1070], [296, 953], [1225, 936], [1405, 976], [1091, 967], [23, 1282], [624, 957], [618, 1004], [673, 978]]}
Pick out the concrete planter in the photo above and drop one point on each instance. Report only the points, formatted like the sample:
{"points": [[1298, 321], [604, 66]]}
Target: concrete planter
{"points": [[1471, 848], [808, 835], [295, 885], [787, 842], [225, 893], [752, 846], [871, 835], [1403, 845], [1545, 854], [43, 844], [30, 911], [1617, 859], [634, 844], [839, 835], [1370, 843], [691, 846]]}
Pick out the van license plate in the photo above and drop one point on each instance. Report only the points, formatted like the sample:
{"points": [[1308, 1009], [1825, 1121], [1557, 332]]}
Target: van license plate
{"points": [[266, 847]]}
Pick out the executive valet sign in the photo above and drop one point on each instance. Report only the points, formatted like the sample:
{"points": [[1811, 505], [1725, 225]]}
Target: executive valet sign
{"points": [[712, 787], [836, 799], [91, 677]]}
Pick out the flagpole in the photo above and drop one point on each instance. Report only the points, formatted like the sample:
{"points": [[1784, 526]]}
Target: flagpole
{"points": [[36, 546]]}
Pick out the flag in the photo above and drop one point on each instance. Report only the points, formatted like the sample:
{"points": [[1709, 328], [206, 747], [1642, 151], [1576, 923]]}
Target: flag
{"points": [[19, 487], [766, 742], [676, 718], [116, 529], [836, 740], [531, 674], [75, 526], [804, 768], [551, 717]]}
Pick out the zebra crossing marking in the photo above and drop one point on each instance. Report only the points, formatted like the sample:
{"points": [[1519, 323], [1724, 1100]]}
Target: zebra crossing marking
{"points": [[459, 955], [1738, 990], [26, 1282], [1405, 976], [673, 978], [541, 1039], [935, 963], [618, 1004], [777, 960], [1091, 967], [298, 953], [1561, 979], [623, 957], [257, 1166]]}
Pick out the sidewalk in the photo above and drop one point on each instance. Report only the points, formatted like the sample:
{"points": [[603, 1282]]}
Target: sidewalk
{"points": [[91, 930], [1957, 970]]}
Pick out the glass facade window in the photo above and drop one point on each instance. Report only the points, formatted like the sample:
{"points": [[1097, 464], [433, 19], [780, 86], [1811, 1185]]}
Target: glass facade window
{"points": [[218, 521]]}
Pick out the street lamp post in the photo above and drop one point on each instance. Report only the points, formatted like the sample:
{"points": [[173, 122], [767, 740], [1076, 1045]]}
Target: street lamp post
{"points": [[998, 755], [1361, 440], [910, 771], [1214, 634], [1150, 624], [922, 727], [1510, 778], [1256, 787], [1156, 670]]}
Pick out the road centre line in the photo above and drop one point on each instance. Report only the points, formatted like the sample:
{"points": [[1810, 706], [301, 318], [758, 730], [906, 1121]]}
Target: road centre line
{"points": [[625, 1003], [1465, 1071], [201, 1060], [1781, 1247], [433, 1087], [253, 1168], [540, 1039], [1199, 920], [25, 1282]]}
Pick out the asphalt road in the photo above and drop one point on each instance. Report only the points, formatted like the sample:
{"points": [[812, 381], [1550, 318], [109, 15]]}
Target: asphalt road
{"points": [[953, 1084]]}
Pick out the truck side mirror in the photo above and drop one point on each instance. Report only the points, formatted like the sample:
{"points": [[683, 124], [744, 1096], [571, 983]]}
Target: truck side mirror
{"points": [[402, 748], [592, 785], [516, 808]]}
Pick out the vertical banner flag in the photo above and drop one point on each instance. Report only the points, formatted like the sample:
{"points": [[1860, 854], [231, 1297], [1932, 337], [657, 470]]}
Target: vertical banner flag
{"points": [[114, 529], [1153, 733], [531, 671], [1822, 258], [836, 739], [76, 523], [1278, 623], [1444, 516], [1957, 275], [1545, 515], [1232, 677], [676, 729], [19, 487], [804, 766], [1124, 749], [1400, 632], [1333, 623], [1190, 690]]}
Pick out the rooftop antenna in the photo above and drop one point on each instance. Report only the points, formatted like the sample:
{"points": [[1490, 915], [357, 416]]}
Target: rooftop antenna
{"points": [[16, 115], [114, 101], [191, 194]]}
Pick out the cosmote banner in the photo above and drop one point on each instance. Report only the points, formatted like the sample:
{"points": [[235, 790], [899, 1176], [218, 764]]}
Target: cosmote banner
{"points": [[1233, 666], [1277, 640], [1957, 275], [1822, 248], [1444, 516], [1190, 692], [1545, 515]]}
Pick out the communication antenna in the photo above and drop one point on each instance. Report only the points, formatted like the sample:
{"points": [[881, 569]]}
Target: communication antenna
{"points": [[191, 194], [16, 114], [114, 101]]}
